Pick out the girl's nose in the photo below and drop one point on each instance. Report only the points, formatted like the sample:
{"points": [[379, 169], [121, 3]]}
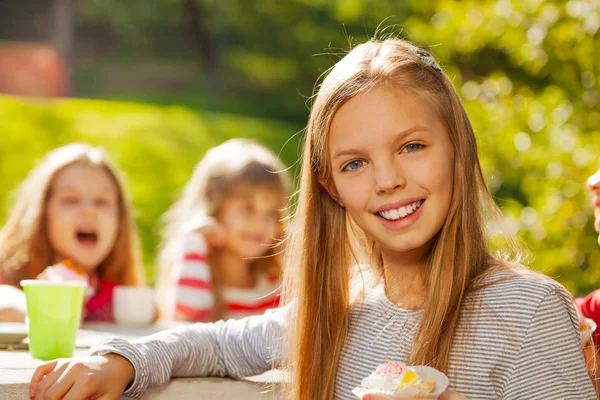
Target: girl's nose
{"points": [[389, 177], [87, 206], [593, 182]]}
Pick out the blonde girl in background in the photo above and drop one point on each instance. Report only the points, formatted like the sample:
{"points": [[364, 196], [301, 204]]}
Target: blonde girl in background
{"points": [[72, 206], [389, 170], [219, 258]]}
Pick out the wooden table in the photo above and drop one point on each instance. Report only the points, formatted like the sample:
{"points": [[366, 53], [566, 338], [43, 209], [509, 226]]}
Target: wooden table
{"points": [[17, 366]]}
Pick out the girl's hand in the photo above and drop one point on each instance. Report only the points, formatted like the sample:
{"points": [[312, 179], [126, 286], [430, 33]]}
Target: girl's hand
{"points": [[99, 377], [210, 228], [213, 233], [447, 395]]}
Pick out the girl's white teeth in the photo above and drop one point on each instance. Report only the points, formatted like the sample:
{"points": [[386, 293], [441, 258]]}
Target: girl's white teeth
{"points": [[402, 211]]}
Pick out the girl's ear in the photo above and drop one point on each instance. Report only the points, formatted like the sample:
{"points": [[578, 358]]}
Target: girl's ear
{"points": [[332, 191]]}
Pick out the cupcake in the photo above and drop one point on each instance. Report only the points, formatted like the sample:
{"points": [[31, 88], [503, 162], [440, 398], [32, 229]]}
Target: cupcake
{"points": [[399, 380], [65, 271]]}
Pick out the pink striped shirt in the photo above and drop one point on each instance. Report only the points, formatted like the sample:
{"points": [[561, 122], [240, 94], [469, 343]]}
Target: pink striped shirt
{"points": [[190, 293]]}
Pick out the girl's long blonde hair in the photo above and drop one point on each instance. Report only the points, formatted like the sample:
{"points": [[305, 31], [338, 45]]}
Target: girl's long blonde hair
{"points": [[25, 249], [236, 167], [322, 243]]}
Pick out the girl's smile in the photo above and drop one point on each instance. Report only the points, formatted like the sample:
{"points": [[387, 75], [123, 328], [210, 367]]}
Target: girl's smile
{"points": [[400, 217]]}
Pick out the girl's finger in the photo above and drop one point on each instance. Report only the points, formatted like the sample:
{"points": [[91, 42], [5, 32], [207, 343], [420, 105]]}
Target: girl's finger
{"points": [[221, 237], [81, 390], [108, 397], [40, 372], [48, 381], [451, 395], [62, 386]]}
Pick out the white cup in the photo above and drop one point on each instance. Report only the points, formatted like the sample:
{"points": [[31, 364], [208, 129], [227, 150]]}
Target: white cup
{"points": [[133, 305]]}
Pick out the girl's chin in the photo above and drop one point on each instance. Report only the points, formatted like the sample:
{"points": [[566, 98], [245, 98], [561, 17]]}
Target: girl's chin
{"points": [[88, 262]]}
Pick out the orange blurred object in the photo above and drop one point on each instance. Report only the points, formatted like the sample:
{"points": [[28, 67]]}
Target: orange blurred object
{"points": [[31, 69], [71, 265]]}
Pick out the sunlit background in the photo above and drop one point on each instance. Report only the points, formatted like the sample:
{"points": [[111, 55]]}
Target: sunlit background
{"points": [[157, 82]]}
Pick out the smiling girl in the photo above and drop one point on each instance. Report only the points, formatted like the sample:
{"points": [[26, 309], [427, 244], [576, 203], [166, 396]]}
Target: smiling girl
{"points": [[72, 206], [390, 172], [218, 258]]}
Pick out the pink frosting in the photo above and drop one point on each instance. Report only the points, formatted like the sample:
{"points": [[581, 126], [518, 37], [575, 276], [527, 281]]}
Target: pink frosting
{"points": [[59, 272], [390, 368]]}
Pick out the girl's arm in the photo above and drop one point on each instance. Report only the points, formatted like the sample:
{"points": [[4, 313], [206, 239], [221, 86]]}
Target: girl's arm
{"points": [[193, 298], [550, 364], [13, 307], [236, 348]]}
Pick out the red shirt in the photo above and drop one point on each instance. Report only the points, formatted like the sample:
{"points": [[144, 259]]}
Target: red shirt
{"points": [[99, 306], [590, 306]]}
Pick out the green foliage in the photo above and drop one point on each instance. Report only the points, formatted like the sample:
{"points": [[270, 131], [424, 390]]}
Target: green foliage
{"points": [[156, 147]]}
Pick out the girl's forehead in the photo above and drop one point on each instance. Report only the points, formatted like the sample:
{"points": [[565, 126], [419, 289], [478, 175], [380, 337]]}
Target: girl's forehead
{"points": [[379, 114], [261, 194], [84, 177]]}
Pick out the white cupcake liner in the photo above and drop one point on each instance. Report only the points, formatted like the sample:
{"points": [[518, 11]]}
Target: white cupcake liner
{"points": [[425, 372], [586, 334]]}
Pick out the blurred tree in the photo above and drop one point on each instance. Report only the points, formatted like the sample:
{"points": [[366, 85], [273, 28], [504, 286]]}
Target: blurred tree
{"points": [[63, 35]]}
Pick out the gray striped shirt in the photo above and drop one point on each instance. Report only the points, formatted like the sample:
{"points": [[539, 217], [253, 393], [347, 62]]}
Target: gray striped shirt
{"points": [[517, 339]]}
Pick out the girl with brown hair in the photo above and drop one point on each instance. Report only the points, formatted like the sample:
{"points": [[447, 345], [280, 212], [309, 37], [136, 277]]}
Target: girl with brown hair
{"points": [[218, 257]]}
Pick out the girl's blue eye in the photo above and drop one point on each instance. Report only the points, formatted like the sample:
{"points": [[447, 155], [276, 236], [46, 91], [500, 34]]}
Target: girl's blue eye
{"points": [[354, 165], [412, 147]]}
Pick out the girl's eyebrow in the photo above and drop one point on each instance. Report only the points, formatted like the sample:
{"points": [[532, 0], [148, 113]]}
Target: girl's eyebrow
{"points": [[401, 135]]}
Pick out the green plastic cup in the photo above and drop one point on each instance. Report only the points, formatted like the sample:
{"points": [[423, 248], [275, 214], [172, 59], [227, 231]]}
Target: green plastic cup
{"points": [[54, 313]]}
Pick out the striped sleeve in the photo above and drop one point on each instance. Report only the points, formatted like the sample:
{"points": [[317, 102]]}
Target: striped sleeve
{"points": [[191, 280], [550, 363], [236, 348]]}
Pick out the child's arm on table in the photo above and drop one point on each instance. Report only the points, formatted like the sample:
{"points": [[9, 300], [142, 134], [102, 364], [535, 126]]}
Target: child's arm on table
{"points": [[235, 348], [13, 307]]}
